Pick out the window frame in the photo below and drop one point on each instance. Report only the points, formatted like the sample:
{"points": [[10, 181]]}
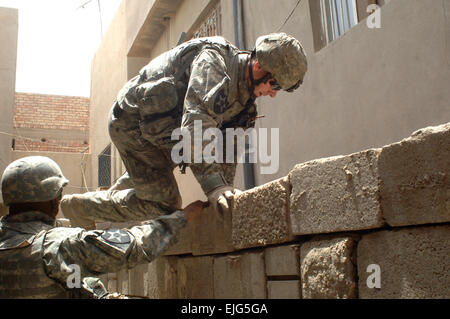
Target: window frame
{"points": [[104, 161]]}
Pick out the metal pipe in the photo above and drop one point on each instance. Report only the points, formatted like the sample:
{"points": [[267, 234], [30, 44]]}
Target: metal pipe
{"points": [[238, 19]]}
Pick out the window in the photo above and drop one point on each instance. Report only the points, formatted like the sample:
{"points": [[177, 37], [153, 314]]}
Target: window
{"points": [[337, 17], [211, 26], [104, 167], [330, 19]]}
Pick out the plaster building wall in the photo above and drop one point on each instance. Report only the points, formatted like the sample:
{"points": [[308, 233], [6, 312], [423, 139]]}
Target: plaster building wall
{"points": [[108, 74], [366, 89], [8, 57]]}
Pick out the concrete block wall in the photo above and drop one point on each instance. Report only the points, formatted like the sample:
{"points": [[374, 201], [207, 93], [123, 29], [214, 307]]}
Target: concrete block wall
{"points": [[374, 224]]}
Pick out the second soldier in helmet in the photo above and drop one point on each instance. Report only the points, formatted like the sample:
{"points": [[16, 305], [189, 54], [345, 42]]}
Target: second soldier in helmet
{"points": [[206, 79], [37, 259]]}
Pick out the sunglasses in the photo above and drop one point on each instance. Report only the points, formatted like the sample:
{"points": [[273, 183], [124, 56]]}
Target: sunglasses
{"points": [[274, 85], [277, 87]]}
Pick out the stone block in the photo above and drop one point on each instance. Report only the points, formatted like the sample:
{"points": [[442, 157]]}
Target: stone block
{"points": [[283, 289], [212, 233], [328, 268], [260, 215], [195, 277], [283, 260], [336, 194], [111, 284], [415, 175], [123, 281], [240, 276], [413, 263], [137, 279], [160, 279]]}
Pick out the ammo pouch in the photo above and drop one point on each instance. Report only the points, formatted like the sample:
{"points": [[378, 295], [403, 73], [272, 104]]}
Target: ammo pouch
{"points": [[156, 96], [158, 110]]}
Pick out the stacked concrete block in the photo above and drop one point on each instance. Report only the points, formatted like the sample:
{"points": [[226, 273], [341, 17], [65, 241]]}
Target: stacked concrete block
{"points": [[123, 282], [415, 178], [283, 289], [357, 196], [328, 268], [111, 282], [195, 277], [212, 233], [336, 194], [240, 276], [405, 183], [283, 272], [260, 215], [138, 276], [160, 280], [405, 263]]}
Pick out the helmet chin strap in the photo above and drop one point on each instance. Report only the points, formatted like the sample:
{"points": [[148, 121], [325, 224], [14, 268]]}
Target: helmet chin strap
{"points": [[254, 82]]}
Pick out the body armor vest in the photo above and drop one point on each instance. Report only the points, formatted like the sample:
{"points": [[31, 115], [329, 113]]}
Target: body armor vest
{"points": [[22, 273]]}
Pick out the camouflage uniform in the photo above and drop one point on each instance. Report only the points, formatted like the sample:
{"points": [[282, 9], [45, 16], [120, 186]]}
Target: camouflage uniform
{"points": [[202, 79], [36, 258]]}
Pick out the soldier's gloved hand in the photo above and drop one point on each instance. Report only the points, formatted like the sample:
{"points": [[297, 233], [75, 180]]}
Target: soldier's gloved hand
{"points": [[221, 198]]}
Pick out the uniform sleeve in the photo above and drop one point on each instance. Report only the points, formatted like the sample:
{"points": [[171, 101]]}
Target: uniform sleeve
{"points": [[205, 101], [102, 251]]}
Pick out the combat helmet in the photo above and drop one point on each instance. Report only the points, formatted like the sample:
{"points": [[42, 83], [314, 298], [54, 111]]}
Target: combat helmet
{"points": [[284, 58], [32, 179]]}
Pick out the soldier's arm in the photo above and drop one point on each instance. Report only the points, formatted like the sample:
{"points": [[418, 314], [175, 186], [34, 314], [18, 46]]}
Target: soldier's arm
{"points": [[245, 120], [103, 251], [205, 100]]}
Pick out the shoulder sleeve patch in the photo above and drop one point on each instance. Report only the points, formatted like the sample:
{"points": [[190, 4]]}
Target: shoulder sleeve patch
{"points": [[220, 102], [116, 236]]}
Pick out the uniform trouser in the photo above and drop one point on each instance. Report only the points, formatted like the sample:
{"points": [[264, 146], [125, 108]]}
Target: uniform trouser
{"points": [[147, 190]]}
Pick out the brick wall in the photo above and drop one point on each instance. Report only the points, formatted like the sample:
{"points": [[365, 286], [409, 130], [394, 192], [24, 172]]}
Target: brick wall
{"points": [[48, 145], [56, 115]]}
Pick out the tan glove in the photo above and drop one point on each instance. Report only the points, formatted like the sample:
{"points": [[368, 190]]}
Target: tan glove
{"points": [[221, 198]]}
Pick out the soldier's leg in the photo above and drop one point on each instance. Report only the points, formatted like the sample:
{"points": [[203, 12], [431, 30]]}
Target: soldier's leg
{"points": [[155, 190], [84, 210], [155, 193], [124, 182]]}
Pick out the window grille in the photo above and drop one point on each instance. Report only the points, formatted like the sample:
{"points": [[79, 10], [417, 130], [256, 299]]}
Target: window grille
{"points": [[211, 26], [104, 167], [338, 16]]}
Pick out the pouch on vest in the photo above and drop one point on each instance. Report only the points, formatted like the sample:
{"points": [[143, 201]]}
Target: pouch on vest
{"points": [[158, 110], [156, 97], [18, 241]]}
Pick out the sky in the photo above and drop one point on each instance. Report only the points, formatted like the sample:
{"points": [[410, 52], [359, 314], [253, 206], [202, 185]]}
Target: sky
{"points": [[56, 43]]}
